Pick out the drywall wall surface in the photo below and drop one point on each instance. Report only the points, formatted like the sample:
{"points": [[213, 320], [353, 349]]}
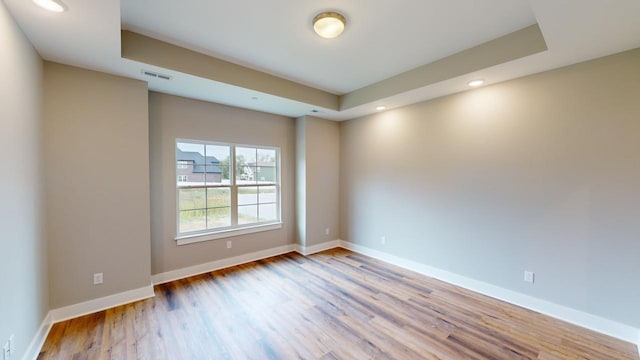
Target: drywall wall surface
{"points": [[23, 263], [172, 118], [97, 183], [322, 156], [301, 181], [540, 173]]}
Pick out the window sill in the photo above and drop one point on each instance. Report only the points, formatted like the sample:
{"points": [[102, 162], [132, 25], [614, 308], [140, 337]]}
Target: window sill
{"points": [[190, 239]]}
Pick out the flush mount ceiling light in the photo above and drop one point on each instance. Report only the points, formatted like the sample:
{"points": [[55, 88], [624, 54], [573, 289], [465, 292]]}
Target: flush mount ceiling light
{"points": [[475, 83], [51, 5], [381, 107], [329, 25]]}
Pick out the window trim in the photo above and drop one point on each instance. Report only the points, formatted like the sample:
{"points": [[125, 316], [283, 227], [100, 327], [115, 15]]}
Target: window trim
{"points": [[233, 230], [227, 233]]}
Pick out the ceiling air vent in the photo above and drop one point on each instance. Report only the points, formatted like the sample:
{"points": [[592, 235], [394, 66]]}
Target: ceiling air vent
{"points": [[156, 75]]}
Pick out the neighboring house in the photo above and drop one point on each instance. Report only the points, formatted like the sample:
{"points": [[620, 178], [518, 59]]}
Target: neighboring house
{"points": [[193, 167], [262, 171]]}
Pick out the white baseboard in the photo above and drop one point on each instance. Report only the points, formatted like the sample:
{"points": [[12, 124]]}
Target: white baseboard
{"points": [[103, 303], [576, 317], [219, 264], [605, 326], [308, 250], [38, 340]]}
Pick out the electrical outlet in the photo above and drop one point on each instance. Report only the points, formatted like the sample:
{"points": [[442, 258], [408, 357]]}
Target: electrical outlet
{"points": [[529, 276], [383, 240], [229, 244], [326, 231], [98, 278]]}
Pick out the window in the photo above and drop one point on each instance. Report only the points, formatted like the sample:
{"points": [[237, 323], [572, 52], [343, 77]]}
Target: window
{"points": [[230, 187], [182, 165]]}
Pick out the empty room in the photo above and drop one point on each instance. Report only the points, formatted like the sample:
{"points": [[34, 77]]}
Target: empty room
{"points": [[285, 179]]}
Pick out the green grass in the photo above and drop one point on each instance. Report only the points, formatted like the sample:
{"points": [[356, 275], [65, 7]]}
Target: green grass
{"points": [[198, 214]]}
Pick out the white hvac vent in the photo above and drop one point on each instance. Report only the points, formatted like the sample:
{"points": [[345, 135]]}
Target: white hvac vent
{"points": [[155, 75]]}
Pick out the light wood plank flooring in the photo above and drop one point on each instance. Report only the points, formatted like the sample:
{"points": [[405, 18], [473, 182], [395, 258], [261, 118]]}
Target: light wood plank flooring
{"points": [[332, 305]]}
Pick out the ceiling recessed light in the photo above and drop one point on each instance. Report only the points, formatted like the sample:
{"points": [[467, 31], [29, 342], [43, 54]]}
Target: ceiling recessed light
{"points": [[476, 83], [51, 5], [380, 108], [329, 25]]}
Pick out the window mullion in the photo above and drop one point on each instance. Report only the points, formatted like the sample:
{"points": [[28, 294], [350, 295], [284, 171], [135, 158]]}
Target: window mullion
{"points": [[234, 187], [206, 191]]}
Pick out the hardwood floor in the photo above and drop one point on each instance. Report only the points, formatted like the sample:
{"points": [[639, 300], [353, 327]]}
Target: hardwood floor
{"points": [[332, 305]]}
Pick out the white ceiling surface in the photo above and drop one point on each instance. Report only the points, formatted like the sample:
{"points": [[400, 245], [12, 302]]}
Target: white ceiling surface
{"points": [[381, 40]]}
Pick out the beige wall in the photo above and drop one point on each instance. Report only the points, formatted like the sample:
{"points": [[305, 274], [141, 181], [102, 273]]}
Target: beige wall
{"points": [[97, 183], [23, 279], [174, 117], [318, 186], [301, 180], [540, 173]]}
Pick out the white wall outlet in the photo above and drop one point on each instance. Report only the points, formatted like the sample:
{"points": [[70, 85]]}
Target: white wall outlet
{"points": [[383, 240], [12, 344], [98, 278], [529, 276], [326, 231], [229, 244]]}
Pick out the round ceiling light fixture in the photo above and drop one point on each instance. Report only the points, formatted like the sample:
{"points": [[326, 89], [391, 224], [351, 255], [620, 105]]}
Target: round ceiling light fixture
{"points": [[51, 5], [329, 25]]}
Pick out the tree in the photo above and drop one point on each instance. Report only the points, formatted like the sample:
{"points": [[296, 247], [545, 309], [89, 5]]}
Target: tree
{"points": [[224, 166]]}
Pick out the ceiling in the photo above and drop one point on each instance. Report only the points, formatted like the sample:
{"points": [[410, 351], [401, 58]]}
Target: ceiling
{"points": [[382, 46]]}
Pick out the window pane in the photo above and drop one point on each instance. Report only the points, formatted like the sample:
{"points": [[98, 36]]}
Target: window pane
{"points": [[245, 165], [245, 175], [192, 220], [266, 174], [267, 194], [213, 175], [217, 156], [218, 217], [247, 214], [218, 197], [247, 195], [267, 157], [191, 199], [189, 160], [267, 212], [219, 152], [225, 175], [246, 154]]}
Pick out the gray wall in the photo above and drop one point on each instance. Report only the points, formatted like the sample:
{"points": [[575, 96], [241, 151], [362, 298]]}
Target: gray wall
{"points": [[97, 183], [23, 279], [172, 117], [540, 173], [301, 180], [318, 181]]}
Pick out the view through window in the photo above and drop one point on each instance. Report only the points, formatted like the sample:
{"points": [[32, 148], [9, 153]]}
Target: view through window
{"points": [[225, 186]]}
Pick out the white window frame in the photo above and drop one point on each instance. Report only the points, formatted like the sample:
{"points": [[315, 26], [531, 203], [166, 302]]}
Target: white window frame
{"points": [[234, 229]]}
